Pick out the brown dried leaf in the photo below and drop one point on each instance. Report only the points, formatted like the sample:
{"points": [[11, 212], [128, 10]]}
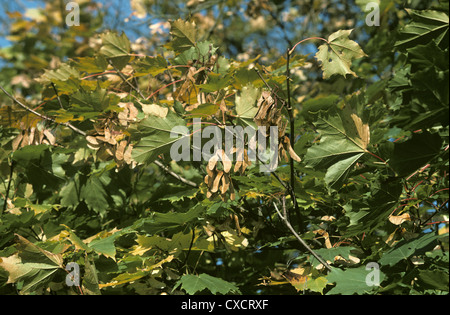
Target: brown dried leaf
{"points": [[155, 110], [232, 193], [26, 139], [328, 218], [326, 236], [264, 105], [238, 166], [399, 219], [293, 155], [92, 143]]}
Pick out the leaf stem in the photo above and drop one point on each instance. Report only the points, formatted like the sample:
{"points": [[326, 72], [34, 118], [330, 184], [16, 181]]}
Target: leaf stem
{"points": [[304, 40], [165, 86], [376, 156]]}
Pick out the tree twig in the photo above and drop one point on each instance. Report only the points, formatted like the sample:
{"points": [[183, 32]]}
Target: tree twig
{"points": [[75, 129], [175, 175], [57, 95], [301, 241], [68, 125], [158, 163], [292, 139], [289, 187], [126, 81]]}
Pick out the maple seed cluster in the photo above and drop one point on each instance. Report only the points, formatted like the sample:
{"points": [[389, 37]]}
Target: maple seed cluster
{"points": [[219, 180], [110, 141], [33, 136], [269, 115]]}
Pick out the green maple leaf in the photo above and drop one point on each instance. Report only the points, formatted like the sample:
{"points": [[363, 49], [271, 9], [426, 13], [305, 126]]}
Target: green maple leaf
{"points": [[151, 65], [116, 48], [344, 140], [425, 26], [338, 54], [154, 134], [184, 35], [66, 79], [246, 107], [351, 281], [193, 284]]}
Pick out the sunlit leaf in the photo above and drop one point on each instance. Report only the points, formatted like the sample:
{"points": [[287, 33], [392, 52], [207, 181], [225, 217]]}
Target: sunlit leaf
{"points": [[338, 54]]}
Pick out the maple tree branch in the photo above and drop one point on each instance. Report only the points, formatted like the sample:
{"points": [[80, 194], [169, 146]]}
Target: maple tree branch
{"points": [[158, 163], [68, 125], [57, 95], [125, 80], [292, 139], [285, 220], [165, 86], [75, 129], [175, 175], [289, 187]]}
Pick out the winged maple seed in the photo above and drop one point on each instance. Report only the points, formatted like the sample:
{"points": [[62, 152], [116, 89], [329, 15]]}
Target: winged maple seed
{"points": [[33, 136], [363, 131], [110, 141], [269, 115], [284, 147], [242, 161], [219, 181]]}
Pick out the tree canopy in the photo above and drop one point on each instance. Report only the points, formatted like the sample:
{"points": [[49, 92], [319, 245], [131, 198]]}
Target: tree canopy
{"points": [[94, 202]]}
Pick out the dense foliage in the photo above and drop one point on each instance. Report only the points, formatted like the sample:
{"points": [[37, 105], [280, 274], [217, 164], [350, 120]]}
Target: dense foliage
{"points": [[362, 113]]}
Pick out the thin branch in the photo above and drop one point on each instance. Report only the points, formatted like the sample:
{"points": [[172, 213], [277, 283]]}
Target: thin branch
{"points": [[289, 187], [190, 247], [125, 80], [274, 174], [75, 129], [436, 212], [165, 86], [57, 95], [289, 226], [68, 125], [175, 175], [292, 138]]}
